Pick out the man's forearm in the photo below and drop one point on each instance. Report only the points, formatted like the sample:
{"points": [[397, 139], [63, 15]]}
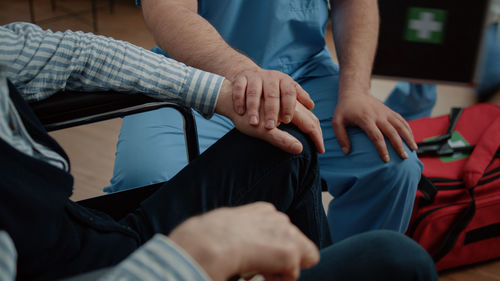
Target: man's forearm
{"points": [[355, 29], [189, 38]]}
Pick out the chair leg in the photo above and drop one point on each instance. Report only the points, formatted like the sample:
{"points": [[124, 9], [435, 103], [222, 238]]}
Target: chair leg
{"points": [[32, 11], [94, 15]]}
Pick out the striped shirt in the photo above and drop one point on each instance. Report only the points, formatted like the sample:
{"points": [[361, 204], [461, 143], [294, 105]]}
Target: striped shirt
{"points": [[40, 63], [158, 259], [8, 258]]}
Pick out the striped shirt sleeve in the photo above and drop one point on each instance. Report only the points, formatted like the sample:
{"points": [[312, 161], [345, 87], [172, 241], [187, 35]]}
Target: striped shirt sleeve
{"points": [[8, 258], [41, 62], [158, 259]]}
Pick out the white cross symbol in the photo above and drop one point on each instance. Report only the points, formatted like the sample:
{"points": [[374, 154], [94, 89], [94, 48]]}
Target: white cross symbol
{"points": [[425, 25]]}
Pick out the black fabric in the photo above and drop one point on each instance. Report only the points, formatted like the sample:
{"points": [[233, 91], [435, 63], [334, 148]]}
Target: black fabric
{"points": [[48, 229], [227, 175], [456, 229], [482, 233], [57, 238]]}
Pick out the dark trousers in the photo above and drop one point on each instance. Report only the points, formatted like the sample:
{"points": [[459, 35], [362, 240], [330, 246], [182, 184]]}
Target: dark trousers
{"points": [[71, 239], [238, 170], [379, 255]]}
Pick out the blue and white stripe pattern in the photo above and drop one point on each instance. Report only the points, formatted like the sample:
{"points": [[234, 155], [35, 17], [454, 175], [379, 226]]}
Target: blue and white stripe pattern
{"points": [[13, 132], [41, 62], [158, 259], [8, 258]]}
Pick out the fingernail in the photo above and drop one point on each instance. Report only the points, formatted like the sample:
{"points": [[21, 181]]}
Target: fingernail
{"points": [[253, 120], [345, 150], [415, 146], [404, 154], [269, 124], [287, 118], [386, 158], [240, 110]]}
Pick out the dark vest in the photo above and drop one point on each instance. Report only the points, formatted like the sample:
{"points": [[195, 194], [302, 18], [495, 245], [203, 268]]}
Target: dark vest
{"points": [[32, 192], [54, 236]]}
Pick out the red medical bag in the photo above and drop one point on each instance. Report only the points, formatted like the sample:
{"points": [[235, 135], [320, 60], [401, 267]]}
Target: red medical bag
{"points": [[456, 216]]}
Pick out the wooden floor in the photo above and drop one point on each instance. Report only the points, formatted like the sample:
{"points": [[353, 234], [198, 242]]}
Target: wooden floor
{"points": [[95, 143]]}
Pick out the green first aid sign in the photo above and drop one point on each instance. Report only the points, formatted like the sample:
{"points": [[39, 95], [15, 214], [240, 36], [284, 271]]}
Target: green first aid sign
{"points": [[425, 25]]}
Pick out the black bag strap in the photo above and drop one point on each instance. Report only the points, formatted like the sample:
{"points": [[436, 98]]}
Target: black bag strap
{"points": [[439, 146], [428, 189], [456, 228]]}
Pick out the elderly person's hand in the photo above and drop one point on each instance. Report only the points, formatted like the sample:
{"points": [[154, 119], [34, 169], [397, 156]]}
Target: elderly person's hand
{"points": [[254, 238]]}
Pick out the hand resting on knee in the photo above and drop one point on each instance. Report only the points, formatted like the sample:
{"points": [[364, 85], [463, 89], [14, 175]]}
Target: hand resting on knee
{"points": [[303, 118]]}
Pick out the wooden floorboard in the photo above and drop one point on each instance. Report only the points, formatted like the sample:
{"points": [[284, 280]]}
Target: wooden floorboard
{"points": [[486, 271]]}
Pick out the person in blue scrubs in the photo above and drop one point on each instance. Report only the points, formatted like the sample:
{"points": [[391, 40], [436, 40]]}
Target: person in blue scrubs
{"points": [[263, 47]]}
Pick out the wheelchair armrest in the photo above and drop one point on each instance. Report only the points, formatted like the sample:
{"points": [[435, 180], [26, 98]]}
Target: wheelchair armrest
{"points": [[68, 109], [68, 105]]}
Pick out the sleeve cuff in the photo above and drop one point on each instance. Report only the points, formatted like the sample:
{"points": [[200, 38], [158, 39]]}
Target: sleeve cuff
{"points": [[159, 257], [202, 90], [9, 257]]}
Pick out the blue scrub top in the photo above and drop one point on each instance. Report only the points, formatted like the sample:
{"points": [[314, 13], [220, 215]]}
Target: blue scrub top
{"points": [[284, 35]]}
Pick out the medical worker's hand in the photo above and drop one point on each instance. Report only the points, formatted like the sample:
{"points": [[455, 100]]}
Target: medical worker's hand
{"points": [[277, 92], [376, 119], [253, 238], [303, 118]]}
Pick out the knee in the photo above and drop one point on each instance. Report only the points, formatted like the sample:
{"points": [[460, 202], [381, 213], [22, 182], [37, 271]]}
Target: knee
{"points": [[309, 149], [398, 255], [398, 185], [305, 165], [401, 174], [130, 176]]}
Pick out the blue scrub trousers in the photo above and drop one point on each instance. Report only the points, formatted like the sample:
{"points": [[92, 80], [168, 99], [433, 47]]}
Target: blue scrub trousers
{"points": [[489, 77], [412, 100], [369, 194]]}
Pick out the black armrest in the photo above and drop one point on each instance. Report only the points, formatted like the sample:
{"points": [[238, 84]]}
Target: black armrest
{"points": [[65, 106], [68, 109]]}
